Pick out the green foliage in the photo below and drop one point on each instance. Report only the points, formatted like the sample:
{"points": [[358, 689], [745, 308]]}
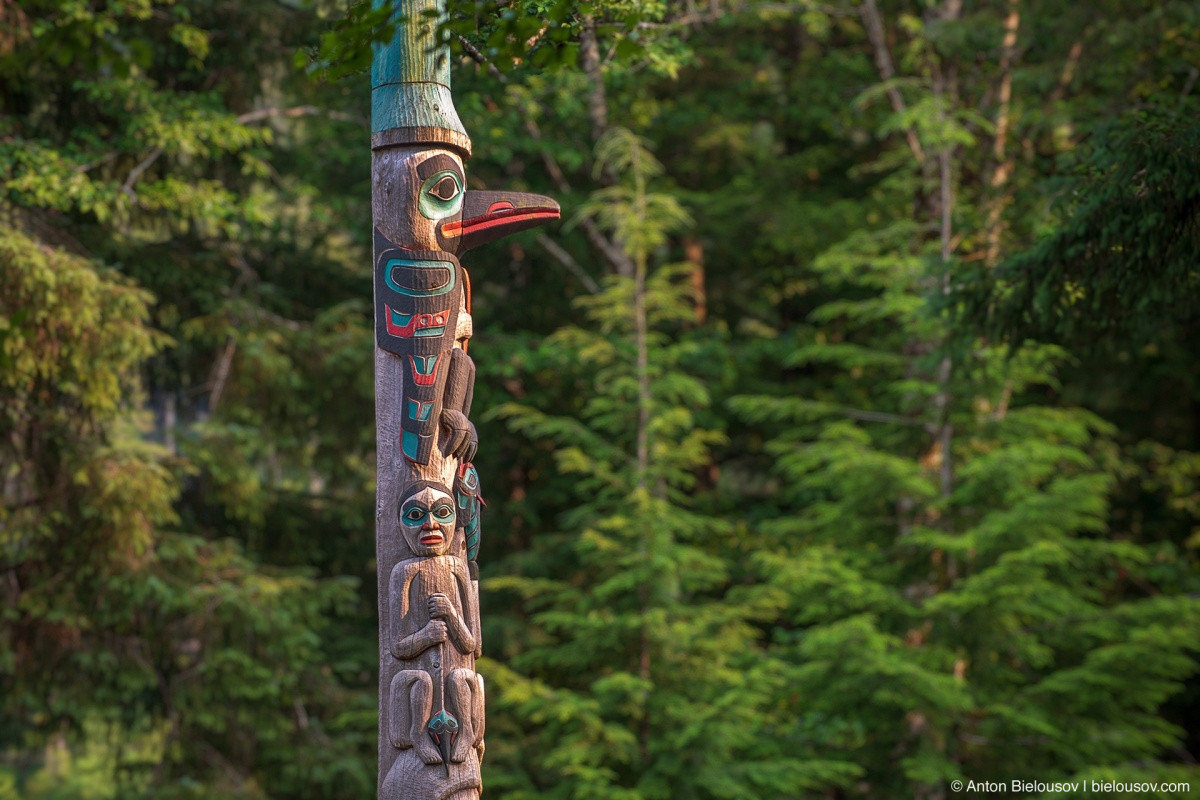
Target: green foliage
{"points": [[140, 629], [781, 500], [640, 677], [1124, 260], [639, 219]]}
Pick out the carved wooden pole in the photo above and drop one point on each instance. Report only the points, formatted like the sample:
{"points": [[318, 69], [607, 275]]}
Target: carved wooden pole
{"points": [[427, 525]]}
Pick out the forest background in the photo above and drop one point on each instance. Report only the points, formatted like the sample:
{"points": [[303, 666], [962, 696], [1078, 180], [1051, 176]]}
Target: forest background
{"points": [[843, 442]]}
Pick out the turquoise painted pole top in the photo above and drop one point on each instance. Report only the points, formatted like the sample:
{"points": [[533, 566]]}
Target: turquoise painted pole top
{"points": [[410, 81]]}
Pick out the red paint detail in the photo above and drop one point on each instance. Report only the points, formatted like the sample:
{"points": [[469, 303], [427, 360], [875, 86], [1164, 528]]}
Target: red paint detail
{"points": [[425, 380], [404, 332], [500, 205], [418, 322], [502, 216]]}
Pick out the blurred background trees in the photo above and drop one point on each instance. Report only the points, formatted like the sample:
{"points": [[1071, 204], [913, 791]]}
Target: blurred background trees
{"points": [[844, 442]]}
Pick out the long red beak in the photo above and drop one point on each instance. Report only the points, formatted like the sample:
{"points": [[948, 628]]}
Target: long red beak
{"points": [[487, 216]]}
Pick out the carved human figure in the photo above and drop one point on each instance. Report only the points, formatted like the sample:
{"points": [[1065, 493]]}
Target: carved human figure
{"points": [[436, 699]]}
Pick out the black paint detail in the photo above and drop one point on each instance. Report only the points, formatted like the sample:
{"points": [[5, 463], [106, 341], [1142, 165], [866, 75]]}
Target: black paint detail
{"points": [[446, 304]]}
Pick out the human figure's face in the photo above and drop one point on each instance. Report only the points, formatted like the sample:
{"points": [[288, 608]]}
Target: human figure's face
{"points": [[427, 521]]}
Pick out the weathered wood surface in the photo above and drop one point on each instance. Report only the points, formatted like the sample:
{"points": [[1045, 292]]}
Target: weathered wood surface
{"points": [[428, 603], [428, 501]]}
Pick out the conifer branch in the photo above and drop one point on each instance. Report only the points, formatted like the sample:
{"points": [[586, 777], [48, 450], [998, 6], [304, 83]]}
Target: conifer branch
{"points": [[883, 61], [563, 257], [136, 172], [615, 256], [883, 416]]}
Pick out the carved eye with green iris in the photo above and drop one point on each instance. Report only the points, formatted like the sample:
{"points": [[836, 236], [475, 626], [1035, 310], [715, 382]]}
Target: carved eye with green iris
{"points": [[442, 513], [441, 195]]}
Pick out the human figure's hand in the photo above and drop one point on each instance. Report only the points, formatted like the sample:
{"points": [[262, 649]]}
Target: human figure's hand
{"points": [[440, 607], [437, 631]]}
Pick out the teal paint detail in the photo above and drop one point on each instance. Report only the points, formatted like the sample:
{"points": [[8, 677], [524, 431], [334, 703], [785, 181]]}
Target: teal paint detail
{"points": [[434, 207], [402, 321], [442, 721], [447, 285], [419, 410], [409, 444], [410, 75], [413, 55], [472, 534], [424, 365], [442, 513], [413, 105], [443, 728], [469, 501]]}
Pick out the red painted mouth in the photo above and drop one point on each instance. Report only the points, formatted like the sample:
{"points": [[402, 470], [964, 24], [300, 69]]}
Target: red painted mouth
{"points": [[498, 214], [432, 538]]}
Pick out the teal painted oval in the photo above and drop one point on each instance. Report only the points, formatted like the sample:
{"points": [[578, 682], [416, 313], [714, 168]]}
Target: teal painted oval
{"points": [[419, 278]]}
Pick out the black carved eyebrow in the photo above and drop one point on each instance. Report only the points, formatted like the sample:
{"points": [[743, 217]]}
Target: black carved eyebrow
{"points": [[435, 164]]}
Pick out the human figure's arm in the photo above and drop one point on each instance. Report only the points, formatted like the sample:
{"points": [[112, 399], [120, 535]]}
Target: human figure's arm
{"points": [[440, 608]]}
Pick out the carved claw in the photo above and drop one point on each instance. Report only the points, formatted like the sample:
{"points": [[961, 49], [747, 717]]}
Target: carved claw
{"points": [[461, 440]]}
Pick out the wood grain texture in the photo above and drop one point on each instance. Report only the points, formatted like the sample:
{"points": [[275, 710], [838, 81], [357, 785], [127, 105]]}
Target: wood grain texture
{"points": [[428, 603], [428, 495], [410, 80], [421, 135]]}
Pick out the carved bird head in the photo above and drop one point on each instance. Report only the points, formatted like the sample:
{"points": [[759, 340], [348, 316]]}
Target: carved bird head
{"points": [[413, 119], [425, 217], [442, 214]]}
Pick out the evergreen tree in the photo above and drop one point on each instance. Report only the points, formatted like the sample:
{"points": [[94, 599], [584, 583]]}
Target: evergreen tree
{"points": [[916, 547], [951, 590], [637, 674], [140, 630]]}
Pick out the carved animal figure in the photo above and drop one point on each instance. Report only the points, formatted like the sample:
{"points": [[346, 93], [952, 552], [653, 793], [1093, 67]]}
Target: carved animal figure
{"points": [[469, 504], [423, 294]]}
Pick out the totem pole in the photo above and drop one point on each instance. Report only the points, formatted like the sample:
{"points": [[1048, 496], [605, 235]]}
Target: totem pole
{"points": [[428, 502]]}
